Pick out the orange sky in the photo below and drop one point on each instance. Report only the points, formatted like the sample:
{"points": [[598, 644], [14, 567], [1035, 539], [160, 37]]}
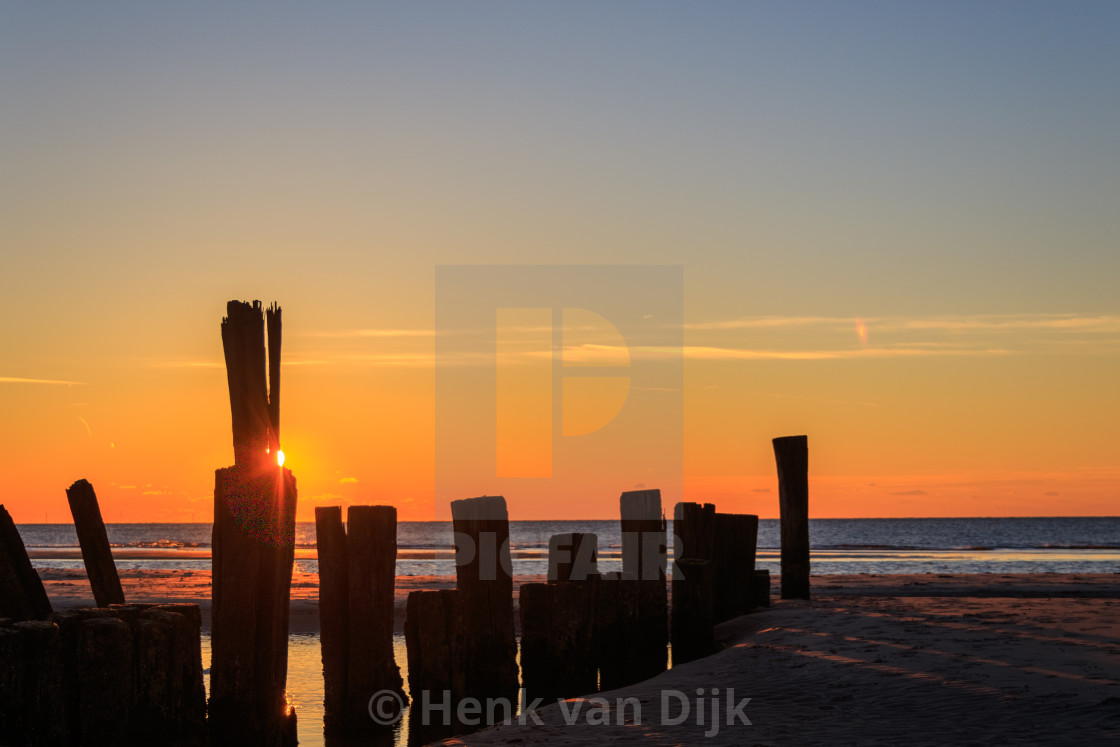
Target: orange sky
{"points": [[896, 227]]}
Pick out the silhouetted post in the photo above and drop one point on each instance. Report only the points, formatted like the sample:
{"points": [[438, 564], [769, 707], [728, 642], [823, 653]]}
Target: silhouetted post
{"points": [[334, 604], [435, 637], [43, 674], [253, 546], [792, 456], [736, 539], [616, 626], [760, 588], [643, 558], [371, 546], [98, 557], [22, 596], [105, 667], [182, 705], [572, 556], [693, 621], [485, 581], [694, 529], [557, 635]]}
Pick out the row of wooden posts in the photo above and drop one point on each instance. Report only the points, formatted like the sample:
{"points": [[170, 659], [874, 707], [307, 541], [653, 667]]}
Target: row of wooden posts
{"points": [[122, 670], [581, 632], [106, 675]]}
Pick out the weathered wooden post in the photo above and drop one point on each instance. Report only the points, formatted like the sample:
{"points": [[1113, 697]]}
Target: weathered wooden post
{"points": [[22, 596], [616, 625], [572, 556], [334, 611], [792, 456], [46, 719], [105, 678], [357, 575], [485, 581], [736, 540], [253, 545], [435, 637], [643, 558], [557, 640], [693, 619], [692, 633], [694, 529], [98, 557]]}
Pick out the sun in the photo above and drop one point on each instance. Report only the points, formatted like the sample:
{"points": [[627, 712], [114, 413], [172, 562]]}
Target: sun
{"points": [[279, 458]]}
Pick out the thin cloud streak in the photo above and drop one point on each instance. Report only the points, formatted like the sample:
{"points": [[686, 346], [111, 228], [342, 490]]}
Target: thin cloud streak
{"points": [[52, 382]]}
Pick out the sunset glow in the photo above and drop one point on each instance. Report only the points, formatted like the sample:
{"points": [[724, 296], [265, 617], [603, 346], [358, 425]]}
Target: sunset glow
{"points": [[894, 226]]}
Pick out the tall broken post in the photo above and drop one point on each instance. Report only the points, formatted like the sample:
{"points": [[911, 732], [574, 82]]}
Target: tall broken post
{"points": [[22, 596], [253, 544], [94, 541], [792, 456], [643, 563], [357, 575], [485, 583]]}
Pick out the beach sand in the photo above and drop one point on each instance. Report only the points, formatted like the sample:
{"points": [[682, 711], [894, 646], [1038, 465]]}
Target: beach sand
{"points": [[871, 660]]}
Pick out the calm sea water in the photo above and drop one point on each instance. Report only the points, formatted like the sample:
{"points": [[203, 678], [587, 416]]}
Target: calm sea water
{"points": [[1002, 545]]}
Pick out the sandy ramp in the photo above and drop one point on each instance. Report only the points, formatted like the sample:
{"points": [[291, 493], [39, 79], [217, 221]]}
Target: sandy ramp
{"points": [[857, 669]]}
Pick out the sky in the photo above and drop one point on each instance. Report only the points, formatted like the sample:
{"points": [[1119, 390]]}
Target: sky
{"points": [[895, 224]]}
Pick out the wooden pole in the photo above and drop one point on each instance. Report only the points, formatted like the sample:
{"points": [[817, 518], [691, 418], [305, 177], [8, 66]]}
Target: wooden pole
{"points": [[105, 678], [572, 556], [485, 582], [22, 596], [334, 627], [693, 619], [736, 540], [694, 531], [435, 637], [253, 547], [371, 545], [94, 541], [557, 632], [792, 456], [643, 559]]}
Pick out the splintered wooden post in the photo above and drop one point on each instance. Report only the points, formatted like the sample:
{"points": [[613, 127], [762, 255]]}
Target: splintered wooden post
{"points": [[572, 556], [485, 582], [435, 637], [643, 559], [792, 456], [96, 553], [736, 538], [22, 596], [334, 628], [693, 621], [253, 546], [371, 546]]}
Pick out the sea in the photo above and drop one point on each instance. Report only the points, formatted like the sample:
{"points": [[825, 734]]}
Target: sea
{"points": [[838, 546]]}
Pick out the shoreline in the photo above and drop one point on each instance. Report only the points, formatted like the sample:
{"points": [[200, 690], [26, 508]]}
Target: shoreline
{"points": [[69, 588]]}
